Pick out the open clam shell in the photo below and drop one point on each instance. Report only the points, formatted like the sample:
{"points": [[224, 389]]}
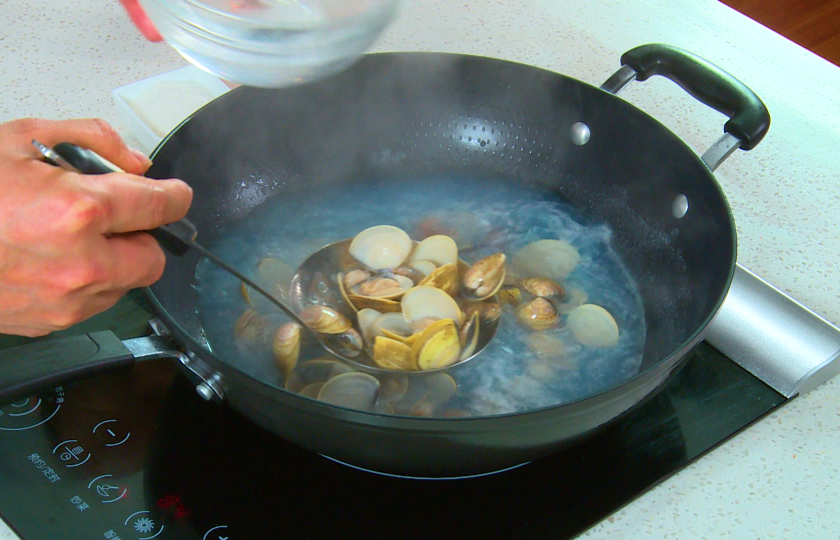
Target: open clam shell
{"points": [[352, 390], [439, 249], [392, 354], [380, 286], [593, 325], [438, 346], [444, 278], [380, 247], [423, 302]]}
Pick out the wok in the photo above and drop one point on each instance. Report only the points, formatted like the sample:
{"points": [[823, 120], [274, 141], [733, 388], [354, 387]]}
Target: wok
{"points": [[405, 115]]}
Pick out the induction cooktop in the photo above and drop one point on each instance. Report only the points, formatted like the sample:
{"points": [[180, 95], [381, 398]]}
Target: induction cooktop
{"points": [[137, 454]]}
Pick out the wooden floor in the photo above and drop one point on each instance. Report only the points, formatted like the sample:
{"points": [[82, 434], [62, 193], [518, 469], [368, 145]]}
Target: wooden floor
{"points": [[814, 24]]}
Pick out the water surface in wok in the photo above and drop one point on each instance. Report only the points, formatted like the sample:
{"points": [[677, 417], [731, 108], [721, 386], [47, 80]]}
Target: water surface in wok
{"points": [[485, 215]]}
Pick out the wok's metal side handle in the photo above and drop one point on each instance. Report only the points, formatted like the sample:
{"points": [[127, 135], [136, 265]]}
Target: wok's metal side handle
{"points": [[27, 369], [749, 119], [775, 338]]}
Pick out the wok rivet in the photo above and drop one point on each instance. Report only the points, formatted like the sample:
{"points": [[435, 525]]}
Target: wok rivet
{"points": [[580, 133], [205, 391], [680, 206]]}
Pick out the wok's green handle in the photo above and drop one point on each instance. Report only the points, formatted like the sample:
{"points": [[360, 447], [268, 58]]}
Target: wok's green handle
{"points": [[749, 119], [29, 368]]}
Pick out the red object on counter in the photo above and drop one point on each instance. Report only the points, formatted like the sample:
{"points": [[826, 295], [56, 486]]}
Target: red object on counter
{"points": [[140, 20]]}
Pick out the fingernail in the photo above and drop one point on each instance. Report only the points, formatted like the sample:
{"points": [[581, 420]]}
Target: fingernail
{"points": [[141, 156]]}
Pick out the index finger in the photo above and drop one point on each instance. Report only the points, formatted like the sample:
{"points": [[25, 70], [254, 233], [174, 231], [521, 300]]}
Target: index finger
{"points": [[91, 133], [135, 203]]}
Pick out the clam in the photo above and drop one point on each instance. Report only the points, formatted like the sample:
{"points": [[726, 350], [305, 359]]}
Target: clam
{"points": [[392, 323], [325, 319], [546, 346], [555, 259], [382, 286], [538, 314], [423, 267], [510, 295], [392, 388], [439, 249], [381, 247], [353, 390], [440, 387], [252, 328], [392, 354], [286, 346], [468, 336], [415, 275], [544, 287], [487, 311], [354, 277], [343, 290], [437, 347], [294, 382], [348, 343], [574, 298], [320, 370], [385, 305], [444, 278], [485, 277], [423, 302], [366, 317], [311, 390], [593, 325], [274, 276]]}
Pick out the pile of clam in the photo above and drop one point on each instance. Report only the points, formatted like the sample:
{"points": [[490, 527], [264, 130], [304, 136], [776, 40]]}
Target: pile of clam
{"points": [[417, 307], [396, 305], [540, 302]]}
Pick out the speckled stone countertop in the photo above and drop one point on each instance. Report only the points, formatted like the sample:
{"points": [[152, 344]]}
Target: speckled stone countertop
{"points": [[778, 479]]}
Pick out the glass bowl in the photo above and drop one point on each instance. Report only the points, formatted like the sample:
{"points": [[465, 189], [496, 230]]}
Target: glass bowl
{"points": [[270, 43]]}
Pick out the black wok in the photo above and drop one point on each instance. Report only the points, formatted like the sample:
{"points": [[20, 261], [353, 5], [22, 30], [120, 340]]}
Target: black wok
{"points": [[404, 115]]}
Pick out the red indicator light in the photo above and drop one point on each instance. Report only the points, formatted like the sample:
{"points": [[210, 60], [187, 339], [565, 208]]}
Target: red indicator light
{"points": [[173, 504]]}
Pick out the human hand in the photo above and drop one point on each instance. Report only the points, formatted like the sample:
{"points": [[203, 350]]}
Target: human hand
{"points": [[69, 246]]}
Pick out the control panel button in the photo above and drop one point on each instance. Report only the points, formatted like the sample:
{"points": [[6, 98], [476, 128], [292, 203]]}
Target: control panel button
{"points": [[111, 432], [71, 453], [217, 533], [143, 525], [108, 490], [31, 412]]}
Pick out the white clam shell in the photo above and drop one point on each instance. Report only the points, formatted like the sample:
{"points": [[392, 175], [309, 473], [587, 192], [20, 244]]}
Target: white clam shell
{"points": [[424, 302], [380, 247], [554, 259], [353, 390], [439, 249], [424, 267], [593, 325], [395, 322], [366, 318]]}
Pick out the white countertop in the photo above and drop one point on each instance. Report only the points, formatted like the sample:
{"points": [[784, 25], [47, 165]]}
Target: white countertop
{"points": [[778, 479]]}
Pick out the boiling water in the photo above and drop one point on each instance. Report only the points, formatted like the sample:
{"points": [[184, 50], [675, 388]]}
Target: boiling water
{"points": [[488, 216]]}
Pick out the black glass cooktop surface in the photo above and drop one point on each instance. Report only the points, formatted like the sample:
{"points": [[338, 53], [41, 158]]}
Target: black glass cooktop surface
{"points": [[136, 454]]}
